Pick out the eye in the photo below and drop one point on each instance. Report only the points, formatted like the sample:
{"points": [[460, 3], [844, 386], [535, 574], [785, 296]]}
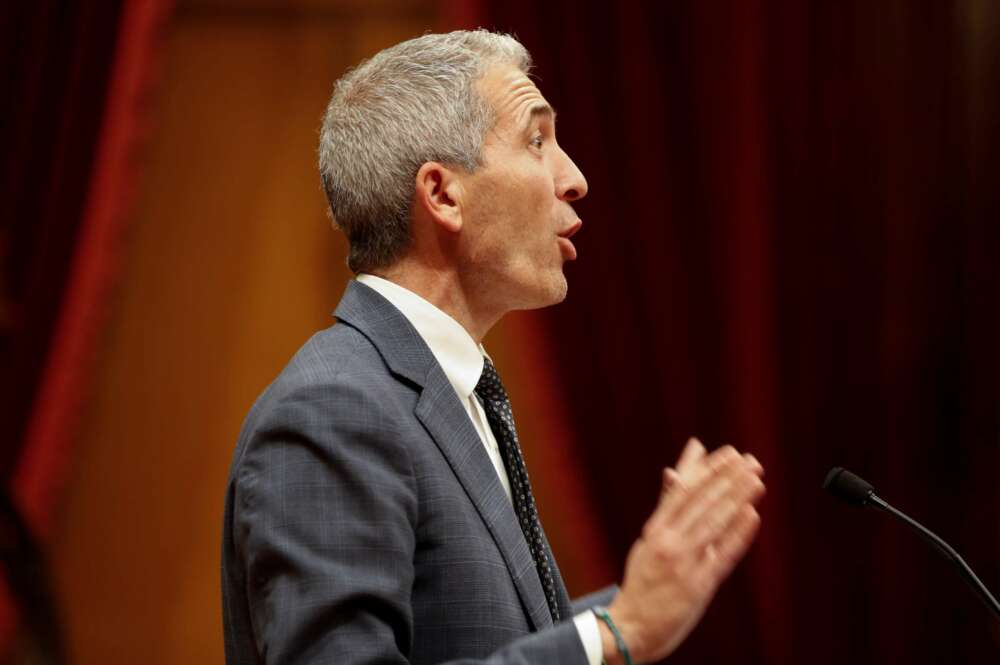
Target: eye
{"points": [[537, 141]]}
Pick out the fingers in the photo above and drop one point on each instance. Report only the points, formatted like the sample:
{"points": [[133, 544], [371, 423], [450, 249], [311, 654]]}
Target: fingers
{"points": [[727, 551], [710, 476], [712, 518], [754, 465], [703, 485], [712, 502], [671, 479], [706, 511], [673, 486], [687, 470], [692, 454], [695, 464]]}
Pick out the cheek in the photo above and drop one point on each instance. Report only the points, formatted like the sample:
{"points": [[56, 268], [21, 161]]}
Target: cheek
{"points": [[534, 201], [514, 214]]}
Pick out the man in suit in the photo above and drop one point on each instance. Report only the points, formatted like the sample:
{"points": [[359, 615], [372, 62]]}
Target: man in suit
{"points": [[378, 509]]}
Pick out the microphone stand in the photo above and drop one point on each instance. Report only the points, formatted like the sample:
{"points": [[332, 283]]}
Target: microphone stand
{"points": [[945, 549]]}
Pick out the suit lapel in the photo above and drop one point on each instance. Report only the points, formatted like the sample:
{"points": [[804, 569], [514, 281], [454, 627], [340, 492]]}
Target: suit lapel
{"points": [[448, 424]]}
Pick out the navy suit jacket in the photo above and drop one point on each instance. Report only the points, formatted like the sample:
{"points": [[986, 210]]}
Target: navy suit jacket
{"points": [[365, 523]]}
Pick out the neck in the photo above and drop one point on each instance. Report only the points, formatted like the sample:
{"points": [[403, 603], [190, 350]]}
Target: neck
{"points": [[443, 288]]}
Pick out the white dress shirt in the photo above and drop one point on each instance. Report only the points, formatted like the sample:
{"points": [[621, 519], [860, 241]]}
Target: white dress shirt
{"points": [[461, 358]]}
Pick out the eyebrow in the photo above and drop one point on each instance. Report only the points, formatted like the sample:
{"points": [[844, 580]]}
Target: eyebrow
{"points": [[539, 109], [542, 109]]}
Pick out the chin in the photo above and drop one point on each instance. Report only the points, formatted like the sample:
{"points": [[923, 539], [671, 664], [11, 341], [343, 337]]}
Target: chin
{"points": [[560, 293], [547, 292]]}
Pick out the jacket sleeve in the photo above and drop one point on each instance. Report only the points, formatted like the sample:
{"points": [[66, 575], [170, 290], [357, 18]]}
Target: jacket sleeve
{"points": [[324, 525], [600, 597]]}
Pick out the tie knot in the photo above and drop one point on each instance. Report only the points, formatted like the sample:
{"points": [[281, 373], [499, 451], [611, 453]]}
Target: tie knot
{"points": [[490, 387]]}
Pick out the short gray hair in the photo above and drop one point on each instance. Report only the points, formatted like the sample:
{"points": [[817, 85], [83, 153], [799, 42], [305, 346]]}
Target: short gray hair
{"points": [[410, 104]]}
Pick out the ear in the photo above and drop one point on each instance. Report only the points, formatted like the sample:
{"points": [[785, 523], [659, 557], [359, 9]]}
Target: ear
{"points": [[439, 194]]}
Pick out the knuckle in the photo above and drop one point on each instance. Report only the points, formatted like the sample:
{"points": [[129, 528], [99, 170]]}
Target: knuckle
{"points": [[724, 457], [755, 489], [648, 531], [669, 478], [667, 548]]}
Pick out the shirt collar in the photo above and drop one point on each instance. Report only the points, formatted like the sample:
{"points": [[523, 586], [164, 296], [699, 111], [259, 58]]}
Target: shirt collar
{"points": [[453, 347]]}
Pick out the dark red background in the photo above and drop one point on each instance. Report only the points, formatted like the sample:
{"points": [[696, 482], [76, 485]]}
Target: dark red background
{"points": [[790, 243]]}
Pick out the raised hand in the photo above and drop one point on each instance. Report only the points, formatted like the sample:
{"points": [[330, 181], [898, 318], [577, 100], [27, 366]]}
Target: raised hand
{"points": [[702, 525]]}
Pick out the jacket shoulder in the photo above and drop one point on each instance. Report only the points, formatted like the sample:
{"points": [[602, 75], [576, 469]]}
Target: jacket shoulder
{"points": [[336, 375]]}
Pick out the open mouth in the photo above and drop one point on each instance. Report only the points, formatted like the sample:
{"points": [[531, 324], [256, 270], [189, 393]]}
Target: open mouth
{"points": [[565, 244]]}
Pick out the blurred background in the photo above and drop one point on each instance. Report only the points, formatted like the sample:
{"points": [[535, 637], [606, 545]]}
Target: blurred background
{"points": [[790, 243]]}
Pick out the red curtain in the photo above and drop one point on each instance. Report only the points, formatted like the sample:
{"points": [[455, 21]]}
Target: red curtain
{"points": [[56, 59], [75, 74], [790, 244], [76, 77]]}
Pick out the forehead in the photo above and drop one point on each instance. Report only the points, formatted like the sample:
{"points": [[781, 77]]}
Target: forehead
{"points": [[511, 93]]}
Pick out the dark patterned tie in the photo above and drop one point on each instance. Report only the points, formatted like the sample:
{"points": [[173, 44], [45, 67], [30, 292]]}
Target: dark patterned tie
{"points": [[497, 407]]}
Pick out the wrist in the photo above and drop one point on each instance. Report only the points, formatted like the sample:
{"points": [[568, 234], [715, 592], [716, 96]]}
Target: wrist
{"points": [[609, 650], [615, 647]]}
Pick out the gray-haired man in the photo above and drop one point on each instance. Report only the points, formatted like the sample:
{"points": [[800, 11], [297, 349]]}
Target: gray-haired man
{"points": [[378, 508]]}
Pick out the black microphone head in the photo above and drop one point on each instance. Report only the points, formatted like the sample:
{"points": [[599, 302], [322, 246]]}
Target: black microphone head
{"points": [[846, 486]]}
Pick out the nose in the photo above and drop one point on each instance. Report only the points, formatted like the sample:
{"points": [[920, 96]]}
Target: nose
{"points": [[570, 183]]}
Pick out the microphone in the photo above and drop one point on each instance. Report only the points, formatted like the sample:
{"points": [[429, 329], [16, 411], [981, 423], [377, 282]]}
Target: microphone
{"points": [[858, 492], [847, 487]]}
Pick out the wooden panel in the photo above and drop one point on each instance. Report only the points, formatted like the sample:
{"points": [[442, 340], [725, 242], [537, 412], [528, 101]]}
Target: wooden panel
{"points": [[231, 265]]}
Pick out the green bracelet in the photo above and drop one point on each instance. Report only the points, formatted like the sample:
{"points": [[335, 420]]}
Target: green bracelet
{"points": [[601, 613]]}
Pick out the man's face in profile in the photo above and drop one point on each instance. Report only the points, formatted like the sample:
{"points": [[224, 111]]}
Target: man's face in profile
{"points": [[517, 214]]}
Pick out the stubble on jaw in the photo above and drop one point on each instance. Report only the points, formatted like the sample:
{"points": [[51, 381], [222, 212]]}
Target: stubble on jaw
{"points": [[499, 279]]}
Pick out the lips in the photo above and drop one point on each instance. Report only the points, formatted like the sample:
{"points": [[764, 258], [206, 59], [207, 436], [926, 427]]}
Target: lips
{"points": [[565, 245], [571, 230]]}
